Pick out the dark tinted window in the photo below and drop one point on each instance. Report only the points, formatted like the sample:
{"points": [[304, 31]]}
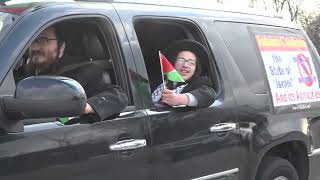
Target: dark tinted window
{"points": [[240, 40]]}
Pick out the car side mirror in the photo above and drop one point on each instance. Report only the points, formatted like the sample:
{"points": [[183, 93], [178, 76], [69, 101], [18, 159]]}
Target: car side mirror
{"points": [[45, 97]]}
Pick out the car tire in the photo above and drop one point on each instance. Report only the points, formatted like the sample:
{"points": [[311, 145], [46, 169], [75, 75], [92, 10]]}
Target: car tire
{"points": [[276, 168]]}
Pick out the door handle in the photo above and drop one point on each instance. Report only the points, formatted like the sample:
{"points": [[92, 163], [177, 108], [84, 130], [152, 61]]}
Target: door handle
{"points": [[223, 127], [128, 144]]}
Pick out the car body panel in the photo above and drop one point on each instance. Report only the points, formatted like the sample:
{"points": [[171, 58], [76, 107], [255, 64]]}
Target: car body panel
{"points": [[179, 144], [51, 150]]}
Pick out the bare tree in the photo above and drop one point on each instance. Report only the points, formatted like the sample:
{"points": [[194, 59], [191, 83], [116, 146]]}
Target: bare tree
{"points": [[279, 5], [304, 19], [254, 3], [251, 4], [313, 31], [294, 8]]}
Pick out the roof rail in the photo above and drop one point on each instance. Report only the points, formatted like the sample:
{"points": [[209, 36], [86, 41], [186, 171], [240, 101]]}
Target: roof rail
{"points": [[203, 4], [95, 0]]}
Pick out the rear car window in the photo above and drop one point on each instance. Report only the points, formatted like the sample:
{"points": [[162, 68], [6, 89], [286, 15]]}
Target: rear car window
{"points": [[237, 44], [242, 41], [291, 66], [290, 69], [283, 62]]}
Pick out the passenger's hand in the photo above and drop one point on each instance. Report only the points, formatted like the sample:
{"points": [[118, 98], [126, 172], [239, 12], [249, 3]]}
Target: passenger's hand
{"points": [[88, 109], [171, 98]]}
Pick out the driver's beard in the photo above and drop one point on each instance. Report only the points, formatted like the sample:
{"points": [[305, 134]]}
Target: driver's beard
{"points": [[44, 68]]}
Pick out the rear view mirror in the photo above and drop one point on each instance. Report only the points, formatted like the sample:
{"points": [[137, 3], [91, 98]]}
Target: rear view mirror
{"points": [[45, 97]]}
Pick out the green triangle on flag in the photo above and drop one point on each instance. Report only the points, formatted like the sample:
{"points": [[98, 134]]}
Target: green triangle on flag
{"points": [[63, 120]]}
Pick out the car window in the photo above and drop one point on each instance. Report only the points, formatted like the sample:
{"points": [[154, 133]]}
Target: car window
{"points": [[291, 68], [85, 44], [171, 36], [29, 1], [87, 57], [238, 43], [243, 41]]}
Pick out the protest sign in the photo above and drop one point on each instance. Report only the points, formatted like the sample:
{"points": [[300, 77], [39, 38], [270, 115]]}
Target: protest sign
{"points": [[290, 70]]}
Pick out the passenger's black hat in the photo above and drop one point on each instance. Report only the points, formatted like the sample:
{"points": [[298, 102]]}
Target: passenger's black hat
{"points": [[193, 46]]}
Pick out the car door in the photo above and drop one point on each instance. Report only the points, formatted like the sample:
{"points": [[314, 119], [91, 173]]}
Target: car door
{"points": [[113, 149], [196, 144], [187, 144]]}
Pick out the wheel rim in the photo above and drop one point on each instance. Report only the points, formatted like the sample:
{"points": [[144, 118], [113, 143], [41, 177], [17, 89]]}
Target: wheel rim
{"points": [[281, 178]]}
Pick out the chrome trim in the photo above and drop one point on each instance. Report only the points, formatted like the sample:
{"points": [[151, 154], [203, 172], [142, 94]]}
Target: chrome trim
{"points": [[315, 152], [223, 127], [41, 126], [224, 173], [125, 113], [149, 112], [246, 130], [128, 144]]}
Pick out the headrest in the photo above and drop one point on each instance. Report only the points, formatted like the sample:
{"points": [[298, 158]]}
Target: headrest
{"points": [[92, 45]]}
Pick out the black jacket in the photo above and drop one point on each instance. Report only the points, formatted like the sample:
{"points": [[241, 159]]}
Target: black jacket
{"points": [[106, 99], [201, 88]]}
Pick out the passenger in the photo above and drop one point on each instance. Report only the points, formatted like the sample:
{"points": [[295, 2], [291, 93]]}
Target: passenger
{"points": [[197, 90], [46, 57]]}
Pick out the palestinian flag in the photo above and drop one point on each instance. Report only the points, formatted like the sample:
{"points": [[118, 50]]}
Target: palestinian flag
{"points": [[64, 120], [168, 70]]}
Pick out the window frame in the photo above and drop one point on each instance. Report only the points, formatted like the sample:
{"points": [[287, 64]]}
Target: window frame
{"points": [[190, 28], [110, 38]]}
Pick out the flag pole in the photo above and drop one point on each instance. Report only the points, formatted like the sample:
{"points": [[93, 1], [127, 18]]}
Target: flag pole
{"points": [[164, 84]]}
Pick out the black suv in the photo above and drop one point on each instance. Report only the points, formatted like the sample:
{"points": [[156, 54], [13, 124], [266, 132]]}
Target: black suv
{"points": [[263, 125]]}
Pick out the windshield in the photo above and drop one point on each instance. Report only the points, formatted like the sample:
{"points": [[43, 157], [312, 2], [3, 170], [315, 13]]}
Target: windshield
{"points": [[6, 20], [11, 2], [11, 9]]}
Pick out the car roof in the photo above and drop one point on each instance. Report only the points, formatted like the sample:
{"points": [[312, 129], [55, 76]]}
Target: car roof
{"points": [[265, 17], [203, 4]]}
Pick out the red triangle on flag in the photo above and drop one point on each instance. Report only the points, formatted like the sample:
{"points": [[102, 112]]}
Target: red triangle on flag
{"points": [[166, 65]]}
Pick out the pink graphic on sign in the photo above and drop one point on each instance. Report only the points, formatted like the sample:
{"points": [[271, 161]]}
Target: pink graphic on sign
{"points": [[305, 70]]}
